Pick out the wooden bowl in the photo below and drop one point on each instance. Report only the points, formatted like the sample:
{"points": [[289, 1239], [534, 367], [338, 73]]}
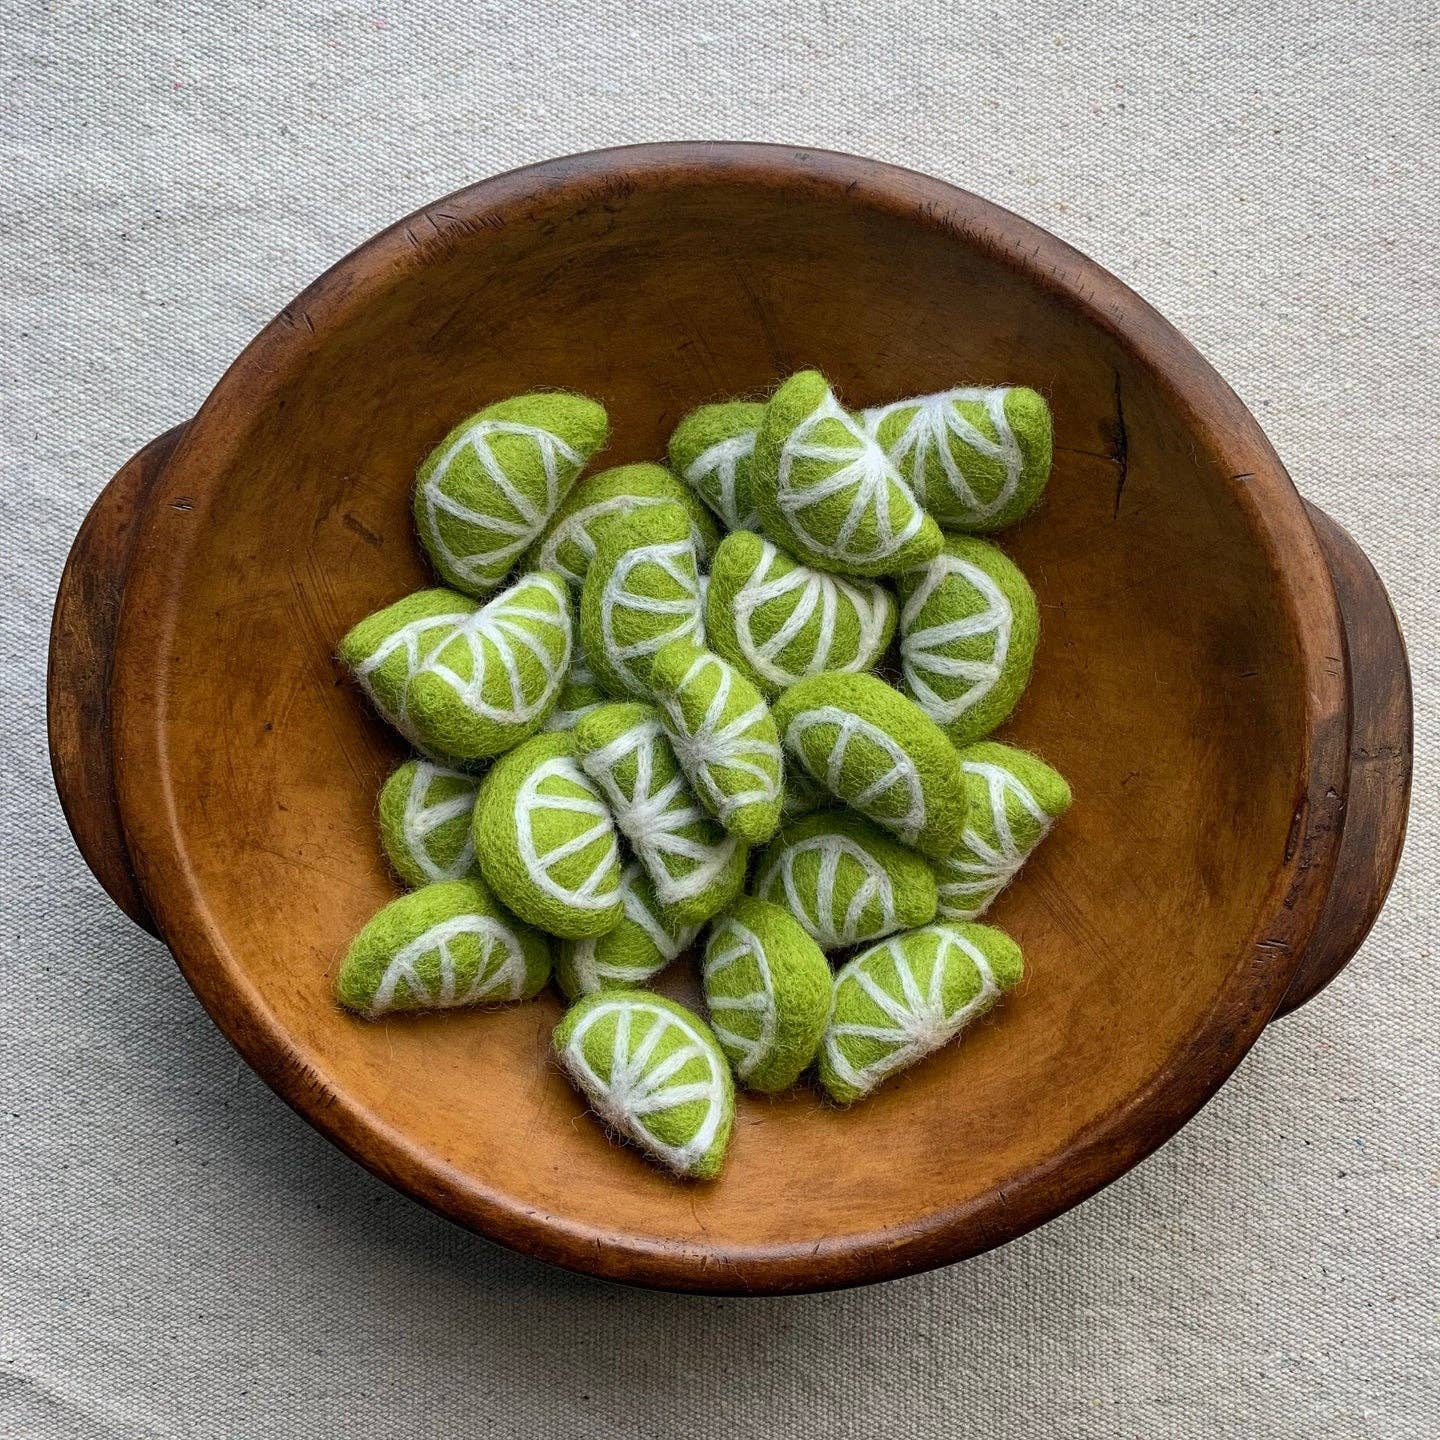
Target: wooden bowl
{"points": [[1220, 676]]}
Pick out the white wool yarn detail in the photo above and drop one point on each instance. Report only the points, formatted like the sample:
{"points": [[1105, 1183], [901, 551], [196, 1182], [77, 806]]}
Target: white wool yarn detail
{"points": [[722, 460], [970, 879], [677, 558], [863, 466], [934, 424], [902, 769], [831, 932], [919, 1024], [873, 606], [504, 980], [419, 820], [652, 819], [498, 626], [920, 649], [712, 743], [474, 568], [529, 798], [635, 1088], [741, 944]]}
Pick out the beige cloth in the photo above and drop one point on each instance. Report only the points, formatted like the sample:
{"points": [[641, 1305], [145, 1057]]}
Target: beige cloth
{"points": [[184, 1257]]}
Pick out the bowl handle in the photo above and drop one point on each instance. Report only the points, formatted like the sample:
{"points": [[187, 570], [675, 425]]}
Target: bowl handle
{"points": [[1381, 747], [82, 643]]}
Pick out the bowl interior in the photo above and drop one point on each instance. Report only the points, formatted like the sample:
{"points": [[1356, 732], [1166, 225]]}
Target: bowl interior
{"points": [[1168, 688]]}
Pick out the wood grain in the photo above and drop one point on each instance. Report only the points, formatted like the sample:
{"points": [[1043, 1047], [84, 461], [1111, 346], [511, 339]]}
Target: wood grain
{"points": [[1192, 682]]}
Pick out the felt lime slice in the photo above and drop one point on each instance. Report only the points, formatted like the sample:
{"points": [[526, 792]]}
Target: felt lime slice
{"points": [[778, 621], [489, 488], [845, 881], [654, 1074], [494, 678], [908, 996], [545, 841], [425, 815], [1019, 797], [877, 751], [441, 947], [828, 493], [968, 630], [385, 649], [724, 737], [711, 449], [767, 986], [696, 868], [599, 500], [977, 459], [642, 591]]}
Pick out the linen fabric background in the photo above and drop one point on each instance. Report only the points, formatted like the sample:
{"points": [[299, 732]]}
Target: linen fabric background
{"points": [[183, 1256]]}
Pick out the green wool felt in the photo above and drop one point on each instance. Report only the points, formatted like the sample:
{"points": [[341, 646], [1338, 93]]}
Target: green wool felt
{"points": [[1018, 797], [778, 621], [828, 493], [425, 817], [545, 841], [580, 694], [568, 544], [767, 985], [976, 459], [491, 485], [385, 649], [844, 880], [442, 946], [711, 450], [724, 737], [801, 795], [645, 941], [654, 1075], [968, 629], [697, 868], [492, 681], [908, 996], [641, 591], [878, 751]]}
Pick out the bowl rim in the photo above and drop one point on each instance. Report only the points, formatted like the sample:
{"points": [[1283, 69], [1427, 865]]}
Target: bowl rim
{"points": [[1110, 1146]]}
